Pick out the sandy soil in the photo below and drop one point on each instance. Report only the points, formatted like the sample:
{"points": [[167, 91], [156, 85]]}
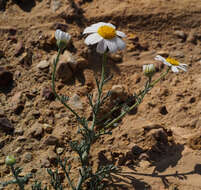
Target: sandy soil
{"points": [[158, 145]]}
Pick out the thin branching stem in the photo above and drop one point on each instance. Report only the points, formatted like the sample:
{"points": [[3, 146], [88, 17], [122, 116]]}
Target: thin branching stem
{"points": [[67, 175], [150, 85], [54, 90]]}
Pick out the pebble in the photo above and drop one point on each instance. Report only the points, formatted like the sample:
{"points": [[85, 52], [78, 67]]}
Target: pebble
{"points": [[27, 157], [48, 94], [64, 70], [76, 102], [6, 78], [43, 64], [117, 58], [36, 131], [19, 49], [17, 103], [51, 140], [6, 125]]}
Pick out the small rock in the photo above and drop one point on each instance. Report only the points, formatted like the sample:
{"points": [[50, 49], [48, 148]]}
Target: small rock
{"points": [[5, 125], [48, 94], [19, 49], [118, 91], [64, 70], [43, 65], [27, 157], [76, 102], [51, 140], [180, 34], [70, 59], [36, 131], [116, 58], [17, 103], [6, 78]]}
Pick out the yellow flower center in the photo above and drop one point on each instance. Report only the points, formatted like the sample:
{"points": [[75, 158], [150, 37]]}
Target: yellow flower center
{"points": [[107, 32], [172, 61]]}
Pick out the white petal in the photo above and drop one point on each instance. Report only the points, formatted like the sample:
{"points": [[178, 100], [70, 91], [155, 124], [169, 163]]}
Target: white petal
{"points": [[121, 34], [57, 34], [89, 30], [182, 67], [162, 59], [120, 43], [93, 39], [101, 47], [112, 45], [175, 69], [181, 64], [93, 28]]}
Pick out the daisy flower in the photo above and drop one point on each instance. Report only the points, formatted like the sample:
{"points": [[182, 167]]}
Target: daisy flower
{"points": [[62, 38], [174, 64], [107, 37]]}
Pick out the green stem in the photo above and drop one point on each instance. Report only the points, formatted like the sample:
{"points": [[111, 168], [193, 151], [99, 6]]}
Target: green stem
{"points": [[21, 186], [68, 177], [54, 91], [157, 80], [100, 88], [151, 85]]}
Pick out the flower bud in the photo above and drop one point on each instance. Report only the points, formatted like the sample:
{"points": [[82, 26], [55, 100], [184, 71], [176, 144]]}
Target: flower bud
{"points": [[149, 70], [62, 38], [10, 160]]}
